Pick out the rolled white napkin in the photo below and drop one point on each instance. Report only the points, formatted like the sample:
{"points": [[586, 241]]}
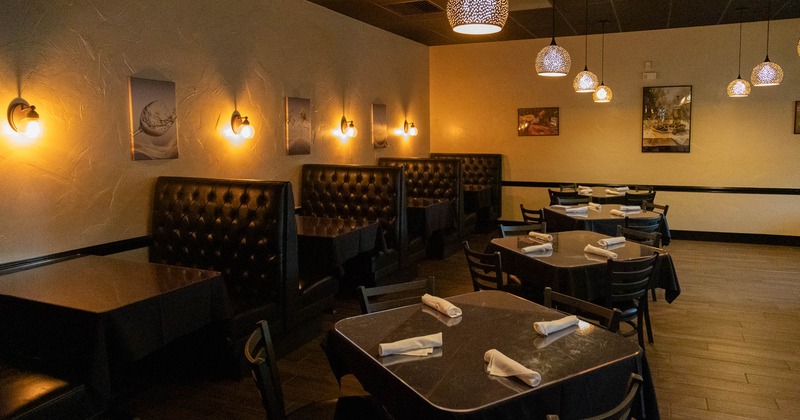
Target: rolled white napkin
{"points": [[441, 305], [611, 241], [600, 251], [585, 192], [548, 327], [584, 187], [620, 189], [537, 248], [541, 236], [545, 340], [615, 212], [501, 365], [614, 192], [560, 206], [412, 346], [595, 206], [581, 209], [630, 208]]}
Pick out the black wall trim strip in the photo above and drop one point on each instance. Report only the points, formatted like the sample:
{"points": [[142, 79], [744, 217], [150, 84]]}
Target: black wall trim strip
{"points": [[102, 249], [676, 188], [746, 238]]}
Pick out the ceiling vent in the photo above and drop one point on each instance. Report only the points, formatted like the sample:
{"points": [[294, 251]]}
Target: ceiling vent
{"points": [[414, 8]]}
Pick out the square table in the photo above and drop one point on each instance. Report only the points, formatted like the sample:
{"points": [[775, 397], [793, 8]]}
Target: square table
{"points": [[93, 313], [427, 215], [583, 371], [332, 241], [477, 197], [558, 220], [569, 270]]}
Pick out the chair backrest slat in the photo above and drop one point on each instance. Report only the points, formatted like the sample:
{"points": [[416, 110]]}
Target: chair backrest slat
{"points": [[629, 279], [486, 269], [531, 215], [608, 317], [521, 230], [645, 238], [381, 298], [260, 354]]}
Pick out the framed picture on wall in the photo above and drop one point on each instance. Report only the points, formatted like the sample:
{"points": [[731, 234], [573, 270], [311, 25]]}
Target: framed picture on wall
{"points": [[797, 117], [154, 134], [299, 132], [380, 129], [537, 121], [667, 119]]}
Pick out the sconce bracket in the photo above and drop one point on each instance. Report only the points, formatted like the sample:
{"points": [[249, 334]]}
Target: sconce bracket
{"points": [[236, 122], [17, 110]]}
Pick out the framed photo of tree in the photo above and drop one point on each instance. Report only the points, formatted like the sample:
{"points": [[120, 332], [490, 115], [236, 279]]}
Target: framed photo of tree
{"points": [[667, 119]]}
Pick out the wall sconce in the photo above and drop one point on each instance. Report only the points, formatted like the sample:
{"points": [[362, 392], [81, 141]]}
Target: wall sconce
{"points": [[408, 129], [24, 119], [346, 129], [241, 126]]}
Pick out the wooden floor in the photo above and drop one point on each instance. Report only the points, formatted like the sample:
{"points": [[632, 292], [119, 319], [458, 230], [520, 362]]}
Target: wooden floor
{"points": [[727, 348]]}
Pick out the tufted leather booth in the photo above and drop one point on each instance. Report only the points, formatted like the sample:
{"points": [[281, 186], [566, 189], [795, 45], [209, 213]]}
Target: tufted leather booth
{"points": [[482, 169], [434, 179], [29, 392], [360, 192], [246, 230]]}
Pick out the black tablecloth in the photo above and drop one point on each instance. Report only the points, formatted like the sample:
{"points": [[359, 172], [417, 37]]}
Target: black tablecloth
{"points": [[477, 197], [427, 216], [92, 313], [583, 372], [571, 271], [332, 241]]}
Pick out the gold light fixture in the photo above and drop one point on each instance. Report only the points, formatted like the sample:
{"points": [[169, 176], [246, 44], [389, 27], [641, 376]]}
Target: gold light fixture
{"points": [[552, 60], [241, 126], [603, 93], [767, 73], [585, 81], [409, 129], [24, 119], [739, 88], [477, 17], [346, 129]]}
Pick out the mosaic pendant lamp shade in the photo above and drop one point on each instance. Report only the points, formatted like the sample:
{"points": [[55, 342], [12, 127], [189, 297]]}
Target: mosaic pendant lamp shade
{"points": [[739, 88], [767, 73], [603, 93], [553, 60], [585, 81], [477, 17]]}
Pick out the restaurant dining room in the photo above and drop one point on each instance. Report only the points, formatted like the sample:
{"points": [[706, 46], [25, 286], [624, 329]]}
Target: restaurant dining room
{"points": [[395, 209]]}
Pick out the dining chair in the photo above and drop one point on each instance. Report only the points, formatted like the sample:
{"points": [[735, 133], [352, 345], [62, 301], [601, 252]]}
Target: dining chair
{"points": [[532, 215], [554, 195], [486, 271], [644, 188], [623, 410], [657, 208], [644, 225], [636, 198], [260, 355], [571, 201], [381, 298], [520, 230], [568, 187], [645, 238], [608, 318], [629, 281]]}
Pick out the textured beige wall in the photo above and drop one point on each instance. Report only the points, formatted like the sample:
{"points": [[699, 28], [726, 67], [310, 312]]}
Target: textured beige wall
{"points": [[77, 186], [744, 142]]}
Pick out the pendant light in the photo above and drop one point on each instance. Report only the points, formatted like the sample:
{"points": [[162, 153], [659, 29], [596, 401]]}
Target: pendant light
{"points": [[767, 73], [739, 88], [603, 93], [585, 81], [477, 17], [553, 60]]}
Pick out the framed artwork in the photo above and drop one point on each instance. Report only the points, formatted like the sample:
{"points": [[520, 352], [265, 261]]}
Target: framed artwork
{"points": [[380, 131], [797, 117], [299, 132], [154, 134], [667, 119], [537, 121]]}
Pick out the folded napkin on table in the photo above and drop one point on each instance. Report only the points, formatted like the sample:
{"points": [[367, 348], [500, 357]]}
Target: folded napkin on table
{"points": [[614, 192], [630, 208], [584, 187], [541, 236], [543, 341], [581, 209], [611, 241], [441, 305], [547, 327], [560, 206], [537, 248], [585, 191], [595, 206], [415, 346], [501, 365], [444, 319], [620, 189], [615, 212], [600, 251]]}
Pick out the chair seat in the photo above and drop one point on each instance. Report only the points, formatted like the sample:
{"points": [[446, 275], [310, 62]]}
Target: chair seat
{"points": [[30, 394]]}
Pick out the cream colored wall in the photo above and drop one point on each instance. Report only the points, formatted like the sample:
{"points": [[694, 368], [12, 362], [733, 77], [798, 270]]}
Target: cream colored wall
{"points": [[77, 186], [744, 142]]}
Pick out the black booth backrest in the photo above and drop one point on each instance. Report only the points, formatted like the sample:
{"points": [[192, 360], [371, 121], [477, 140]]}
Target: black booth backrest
{"points": [[241, 228], [481, 169], [429, 178], [359, 192]]}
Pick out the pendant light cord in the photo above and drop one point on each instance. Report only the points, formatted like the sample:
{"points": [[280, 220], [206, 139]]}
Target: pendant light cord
{"points": [[769, 13], [603, 56], [586, 37], [740, 45], [554, 22]]}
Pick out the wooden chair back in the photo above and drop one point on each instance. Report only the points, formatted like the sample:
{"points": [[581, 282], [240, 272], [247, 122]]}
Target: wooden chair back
{"points": [[531, 215], [521, 230], [554, 195], [658, 208], [629, 278], [571, 201], [607, 317], [636, 199], [486, 270], [381, 298], [645, 238], [260, 355], [644, 225]]}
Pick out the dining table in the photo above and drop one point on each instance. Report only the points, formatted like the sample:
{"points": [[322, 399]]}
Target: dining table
{"points": [[583, 369], [477, 197], [570, 270], [92, 315], [426, 216], [600, 220], [331, 241], [601, 195]]}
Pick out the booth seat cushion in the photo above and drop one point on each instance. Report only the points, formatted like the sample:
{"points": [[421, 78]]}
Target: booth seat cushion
{"points": [[32, 394]]}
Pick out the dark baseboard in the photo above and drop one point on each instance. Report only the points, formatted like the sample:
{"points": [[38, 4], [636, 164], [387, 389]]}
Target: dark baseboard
{"points": [[102, 249]]}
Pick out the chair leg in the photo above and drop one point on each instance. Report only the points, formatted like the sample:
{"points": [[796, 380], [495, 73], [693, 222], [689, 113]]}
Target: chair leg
{"points": [[639, 329], [646, 309], [653, 292]]}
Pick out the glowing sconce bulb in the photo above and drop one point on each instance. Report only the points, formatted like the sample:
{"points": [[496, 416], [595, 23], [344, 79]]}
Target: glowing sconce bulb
{"points": [[346, 129], [241, 127], [24, 119]]}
